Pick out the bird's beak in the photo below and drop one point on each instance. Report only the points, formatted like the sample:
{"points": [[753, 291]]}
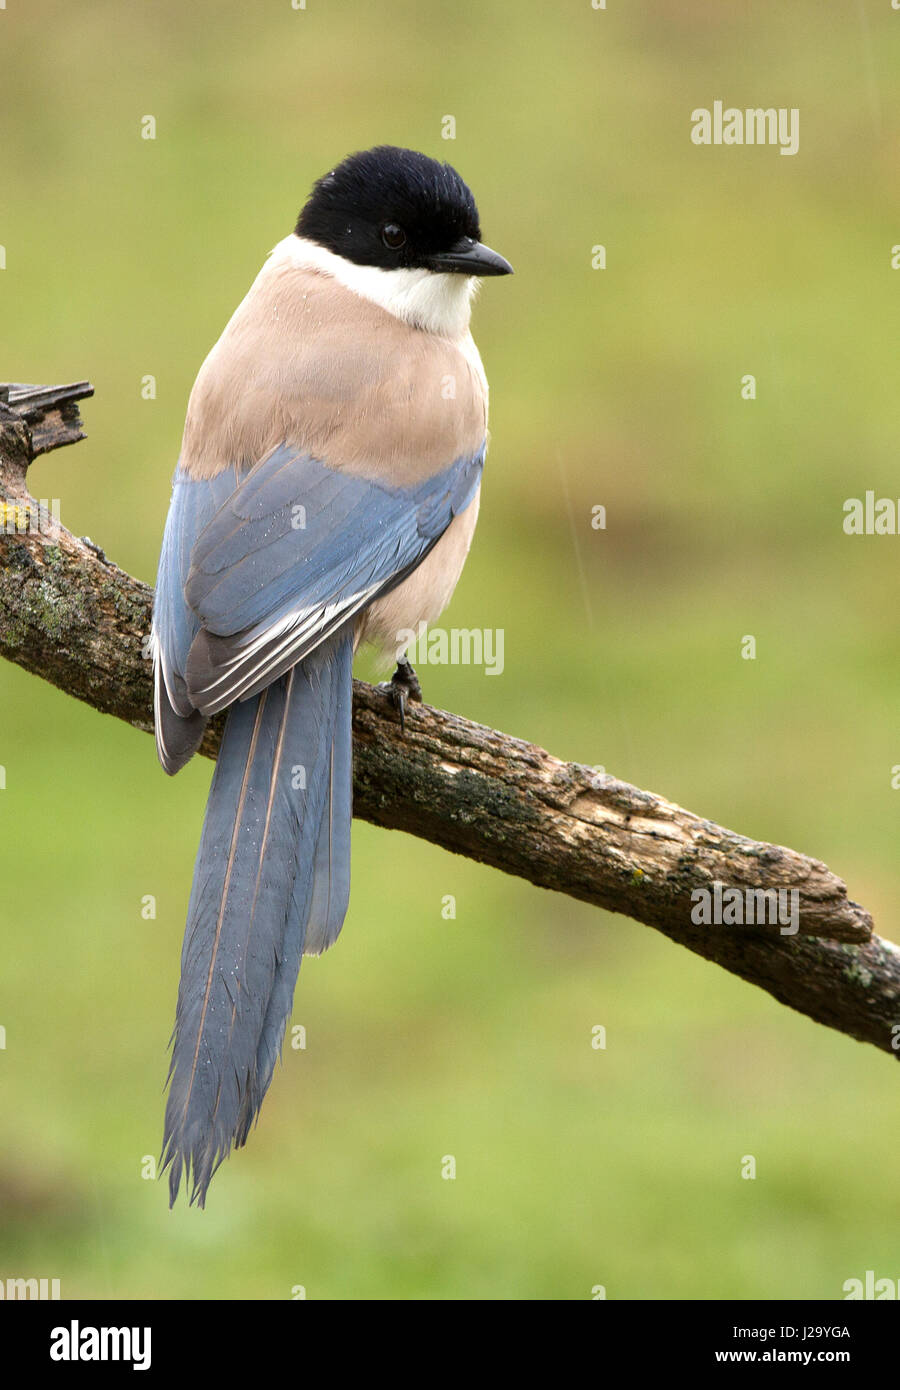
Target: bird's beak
{"points": [[470, 257]]}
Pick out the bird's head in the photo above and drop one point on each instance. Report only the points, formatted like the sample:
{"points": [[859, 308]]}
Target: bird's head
{"points": [[396, 209]]}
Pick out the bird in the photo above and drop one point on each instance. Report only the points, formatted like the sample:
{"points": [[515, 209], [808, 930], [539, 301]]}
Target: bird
{"points": [[325, 495]]}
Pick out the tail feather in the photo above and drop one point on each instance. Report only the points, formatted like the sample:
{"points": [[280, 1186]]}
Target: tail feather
{"points": [[331, 879], [255, 881], [322, 888]]}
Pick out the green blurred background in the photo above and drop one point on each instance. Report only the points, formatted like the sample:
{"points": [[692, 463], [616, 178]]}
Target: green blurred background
{"points": [[621, 387]]}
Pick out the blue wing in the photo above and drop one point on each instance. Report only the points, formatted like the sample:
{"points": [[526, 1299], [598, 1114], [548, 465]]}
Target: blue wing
{"points": [[179, 726], [297, 549], [257, 571]]}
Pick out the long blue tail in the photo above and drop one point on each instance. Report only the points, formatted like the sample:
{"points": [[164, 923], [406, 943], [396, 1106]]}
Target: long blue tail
{"points": [[271, 882]]}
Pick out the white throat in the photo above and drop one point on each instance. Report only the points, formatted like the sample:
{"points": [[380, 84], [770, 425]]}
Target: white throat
{"points": [[436, 302]]}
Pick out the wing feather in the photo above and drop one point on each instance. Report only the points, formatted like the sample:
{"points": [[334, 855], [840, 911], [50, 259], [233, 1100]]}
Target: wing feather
{"points": [[294, 552]]}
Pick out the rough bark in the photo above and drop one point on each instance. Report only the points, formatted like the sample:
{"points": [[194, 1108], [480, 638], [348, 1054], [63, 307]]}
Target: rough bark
{"points": [[72, 617]]}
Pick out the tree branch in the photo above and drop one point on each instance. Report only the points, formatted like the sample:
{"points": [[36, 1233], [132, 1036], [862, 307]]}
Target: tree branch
{"points": [[72, 617]]}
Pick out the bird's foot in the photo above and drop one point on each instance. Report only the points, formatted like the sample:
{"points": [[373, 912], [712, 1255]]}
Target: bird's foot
{"points": [[402, 687]]}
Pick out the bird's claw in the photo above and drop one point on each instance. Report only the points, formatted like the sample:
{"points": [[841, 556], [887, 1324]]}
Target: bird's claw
{"points": [[401, 688]]}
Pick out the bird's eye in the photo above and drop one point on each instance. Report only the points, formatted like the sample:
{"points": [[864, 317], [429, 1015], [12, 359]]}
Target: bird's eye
{"points": [[393, 236]]}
